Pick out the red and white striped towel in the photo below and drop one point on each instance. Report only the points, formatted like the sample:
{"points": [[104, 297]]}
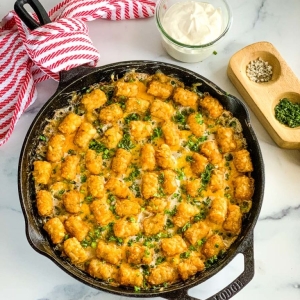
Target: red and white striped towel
{"points": [[28, 57]]}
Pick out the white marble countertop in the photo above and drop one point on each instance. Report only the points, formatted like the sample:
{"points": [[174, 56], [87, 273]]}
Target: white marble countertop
{"points": [[26, 275]]}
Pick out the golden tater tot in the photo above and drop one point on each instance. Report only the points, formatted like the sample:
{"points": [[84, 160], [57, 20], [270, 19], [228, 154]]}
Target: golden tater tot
{"points": [[211, 151], [190, 266], [197, 232], [130, 276], [95, 99], [112, 137], [124, 227], [117, 187], [193, 187], [243, 187], [93, 161], [164, 157], [185, 97], [233, 219], [212, 106], [185, 211], [140, 130], [138, 254], [174, 245], [154, 225], [196, 124], [84, 134], [136, 105], [70, 123], [242, 161], [127, 208], [121, 161], [76, 227], [160, 90], [109, 252], [55, 149], [127, 89], [148, 157], [171, 133], [199, 163], [102, 213], [69, 167], [42, 171], [218, 210], [163, 273], [170, 183], [72, 201], [44, 203], [217, 180], [95, 186], [149, 185], [111, 113], [157, 205], [225, 139], [213, 246], [102, 270], [55, 228], [161, 110], [75, 251]]}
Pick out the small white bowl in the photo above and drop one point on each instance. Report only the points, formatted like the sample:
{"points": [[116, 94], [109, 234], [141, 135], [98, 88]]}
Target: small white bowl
{"points": [[191, 53]]}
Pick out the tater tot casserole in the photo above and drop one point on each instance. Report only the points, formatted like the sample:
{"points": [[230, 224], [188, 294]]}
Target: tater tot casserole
{"points": [[142, 181]]}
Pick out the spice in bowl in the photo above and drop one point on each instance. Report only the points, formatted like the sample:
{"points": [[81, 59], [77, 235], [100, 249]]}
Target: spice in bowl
{"points": [[288, 113], [259, 70]]}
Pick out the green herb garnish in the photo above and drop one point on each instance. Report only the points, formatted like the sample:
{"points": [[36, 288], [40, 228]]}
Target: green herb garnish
{"points": [[180, 119], [171, 212], [189, 158], [193, 142], [137, 288], [126, 142], [185, 255], [42, 138], [131, 117], [199, 118], [83, 178], [135, 173], [205, 176], [288, 113], [71, 152], [101, 148], [180, 174], [157, 133], [160, 260]]}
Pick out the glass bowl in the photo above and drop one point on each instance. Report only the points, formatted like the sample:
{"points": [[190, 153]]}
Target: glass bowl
{"points": [[192, 52]]}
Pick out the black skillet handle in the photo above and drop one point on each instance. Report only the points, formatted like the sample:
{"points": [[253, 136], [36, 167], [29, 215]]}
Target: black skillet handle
{"points": [[233, 288], [68, 77], [27, 18]]}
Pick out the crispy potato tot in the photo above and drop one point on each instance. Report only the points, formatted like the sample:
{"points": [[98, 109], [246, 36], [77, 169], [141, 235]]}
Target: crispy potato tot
{"points": [[70, 123], [185, 97]]}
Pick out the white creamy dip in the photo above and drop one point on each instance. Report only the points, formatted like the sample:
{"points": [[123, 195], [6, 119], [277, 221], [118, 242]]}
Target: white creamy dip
{"points": [[193, 23]]}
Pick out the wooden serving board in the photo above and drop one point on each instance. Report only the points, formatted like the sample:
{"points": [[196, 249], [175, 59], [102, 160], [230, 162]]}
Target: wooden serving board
{"points": [[263, 97]]}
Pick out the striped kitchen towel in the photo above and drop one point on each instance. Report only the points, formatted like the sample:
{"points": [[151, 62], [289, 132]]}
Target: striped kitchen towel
{"points": [[31, 56]]}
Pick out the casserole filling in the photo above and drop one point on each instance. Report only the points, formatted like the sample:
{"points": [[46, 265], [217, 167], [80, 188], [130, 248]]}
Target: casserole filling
{"points": [[142, 181]]}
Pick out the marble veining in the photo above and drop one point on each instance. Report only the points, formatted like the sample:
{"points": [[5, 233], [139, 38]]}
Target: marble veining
{"points": [[282, 214], [27, 275]]}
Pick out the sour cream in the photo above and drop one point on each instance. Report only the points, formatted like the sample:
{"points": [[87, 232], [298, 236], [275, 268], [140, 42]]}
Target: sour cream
{"points": [[193, 23]]}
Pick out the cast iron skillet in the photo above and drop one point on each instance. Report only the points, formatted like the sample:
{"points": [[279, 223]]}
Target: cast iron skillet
{"points": [[81, 77]]}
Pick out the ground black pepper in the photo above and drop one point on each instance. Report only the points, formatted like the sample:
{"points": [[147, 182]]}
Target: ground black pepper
{"points": [[259, 70]]}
